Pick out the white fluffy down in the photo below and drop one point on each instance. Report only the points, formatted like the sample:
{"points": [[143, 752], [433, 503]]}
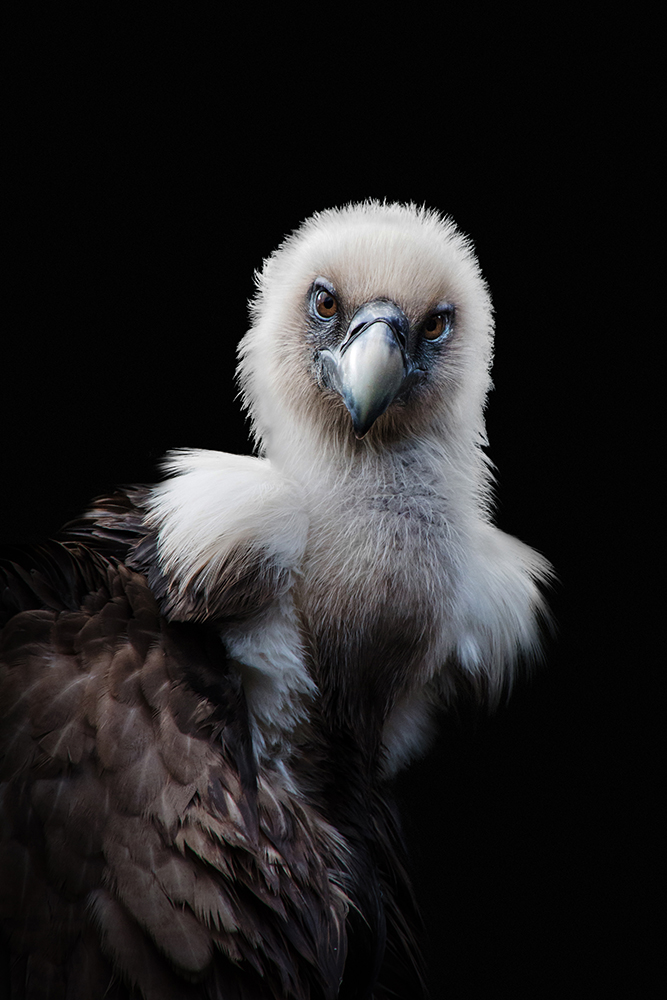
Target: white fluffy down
{"points": [[215, 501]]}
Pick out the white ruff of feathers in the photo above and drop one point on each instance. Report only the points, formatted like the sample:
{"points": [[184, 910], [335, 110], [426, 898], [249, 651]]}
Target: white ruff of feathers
{"points": [[323, 507]]}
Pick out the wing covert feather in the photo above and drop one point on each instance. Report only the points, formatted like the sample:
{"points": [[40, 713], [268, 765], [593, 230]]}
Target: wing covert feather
{"points": [[140, 832]]}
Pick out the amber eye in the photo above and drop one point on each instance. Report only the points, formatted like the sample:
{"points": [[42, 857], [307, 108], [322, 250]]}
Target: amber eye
{"points": [[325, 304], [435, 326]]}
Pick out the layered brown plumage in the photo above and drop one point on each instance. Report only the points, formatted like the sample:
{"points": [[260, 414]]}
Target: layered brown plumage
{"points": [[142, 837]]}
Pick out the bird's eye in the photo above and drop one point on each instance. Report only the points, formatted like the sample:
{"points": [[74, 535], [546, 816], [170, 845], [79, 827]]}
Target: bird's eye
{"points": [[437, 325], [325, 304]]}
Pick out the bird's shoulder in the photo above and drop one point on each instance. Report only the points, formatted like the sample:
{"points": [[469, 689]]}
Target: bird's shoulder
{"points": [[227, 534]]}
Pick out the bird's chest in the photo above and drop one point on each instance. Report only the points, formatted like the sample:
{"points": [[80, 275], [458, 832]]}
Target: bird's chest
{"points": [[374, 587]]}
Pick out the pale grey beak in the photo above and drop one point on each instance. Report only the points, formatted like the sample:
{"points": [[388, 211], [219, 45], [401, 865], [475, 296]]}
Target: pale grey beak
{"points": [[370, 366]]}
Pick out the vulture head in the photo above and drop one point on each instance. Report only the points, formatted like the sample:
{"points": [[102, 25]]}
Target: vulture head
{"points": [[372, 327]]}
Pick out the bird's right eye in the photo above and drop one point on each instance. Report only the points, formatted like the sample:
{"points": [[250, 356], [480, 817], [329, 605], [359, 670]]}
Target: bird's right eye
{"points": [[325, 304]]}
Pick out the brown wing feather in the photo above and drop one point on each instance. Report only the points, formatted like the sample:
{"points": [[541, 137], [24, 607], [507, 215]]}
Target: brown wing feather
{"points": [[145, 853]]}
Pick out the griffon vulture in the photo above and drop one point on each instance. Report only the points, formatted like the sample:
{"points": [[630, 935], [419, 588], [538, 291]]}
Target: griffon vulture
{"points": [[208, 684]]}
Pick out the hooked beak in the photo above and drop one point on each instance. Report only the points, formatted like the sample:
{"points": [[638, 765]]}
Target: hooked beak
{"points": [[370, 366]]}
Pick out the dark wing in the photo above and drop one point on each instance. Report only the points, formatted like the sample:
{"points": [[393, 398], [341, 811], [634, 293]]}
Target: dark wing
{"points": [[144, 853]]}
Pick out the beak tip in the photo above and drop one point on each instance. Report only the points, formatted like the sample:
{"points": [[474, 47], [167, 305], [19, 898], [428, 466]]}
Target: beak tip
{"points": [[361, 425]]}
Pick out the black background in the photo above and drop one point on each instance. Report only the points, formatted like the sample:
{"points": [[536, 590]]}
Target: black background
{"points": [[159, 161]]}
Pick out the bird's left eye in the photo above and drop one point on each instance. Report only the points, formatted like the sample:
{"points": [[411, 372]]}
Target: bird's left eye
{"points": [[435, 326], [325, 304]]}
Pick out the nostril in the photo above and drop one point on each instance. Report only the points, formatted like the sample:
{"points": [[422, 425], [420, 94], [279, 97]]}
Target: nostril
{"points": [[355, 329], [379, 311], [400, 336]]}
